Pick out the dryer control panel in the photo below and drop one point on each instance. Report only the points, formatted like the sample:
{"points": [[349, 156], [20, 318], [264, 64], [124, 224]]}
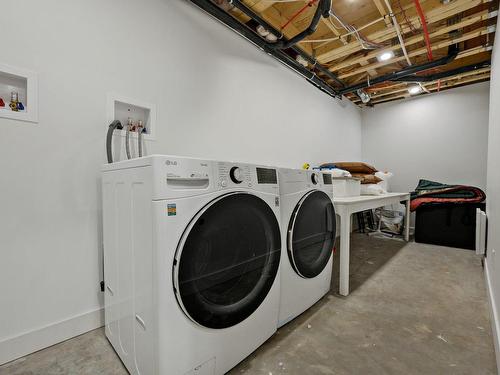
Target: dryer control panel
{"points": [[234, 175]]}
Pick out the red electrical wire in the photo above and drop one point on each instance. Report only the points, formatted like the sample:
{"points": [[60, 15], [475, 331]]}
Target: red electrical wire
{"points": [[301, 10], [424, 27]]}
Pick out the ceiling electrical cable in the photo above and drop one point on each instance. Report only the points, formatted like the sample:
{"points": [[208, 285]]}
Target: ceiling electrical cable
{"points": [[340, 37], [333, 24], [365, 44], [407, 22]]}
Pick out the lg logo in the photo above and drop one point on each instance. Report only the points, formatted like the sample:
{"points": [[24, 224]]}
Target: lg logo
{"points": [[171, 162]]}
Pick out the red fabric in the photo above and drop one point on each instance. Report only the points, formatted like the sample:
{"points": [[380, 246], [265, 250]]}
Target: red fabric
{"points": [[416, 203], [426, 198]]}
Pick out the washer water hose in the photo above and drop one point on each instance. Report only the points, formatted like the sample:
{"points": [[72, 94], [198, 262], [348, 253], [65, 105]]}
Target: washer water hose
{"points": [[140, 128], [109, 138], [127, 138]]}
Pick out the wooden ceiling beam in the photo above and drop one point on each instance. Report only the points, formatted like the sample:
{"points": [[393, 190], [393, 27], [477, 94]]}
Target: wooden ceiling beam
{"points": [[458, 76], [328, 24], [387, 89], [381, 9], [421, 51], [259, 6], [432, 87], [401, 87], [435, 15], [275, 19], [467, 21]]}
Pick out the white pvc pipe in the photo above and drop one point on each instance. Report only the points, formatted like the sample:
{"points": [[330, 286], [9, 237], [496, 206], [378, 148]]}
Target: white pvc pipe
{"points": [[398, 31]]}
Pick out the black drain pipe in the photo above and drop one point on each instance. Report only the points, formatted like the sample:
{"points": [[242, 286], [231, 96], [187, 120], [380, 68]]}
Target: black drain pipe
{"points": [[323, 10], [224, 17], [448, 73], [396, 76], [257, 18]]}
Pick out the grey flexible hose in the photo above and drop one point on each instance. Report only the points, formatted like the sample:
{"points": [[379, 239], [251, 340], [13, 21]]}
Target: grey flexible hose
{"points": [[109, 138], [127, 142], [139, 140]]}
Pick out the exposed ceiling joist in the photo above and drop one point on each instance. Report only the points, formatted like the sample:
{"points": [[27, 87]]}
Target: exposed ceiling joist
{"points": [[434, 87], [438, 14], [422, 51], [383, 12], [403, 87], [350, 43], [467, 21]]}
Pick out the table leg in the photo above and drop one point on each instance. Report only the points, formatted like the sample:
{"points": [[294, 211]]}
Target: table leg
{"points": [[407, 221], [345, 233]]}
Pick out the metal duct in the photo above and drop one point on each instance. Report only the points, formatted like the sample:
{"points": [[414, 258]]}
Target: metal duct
{"points": [[250, 13], [449, 73], [452, 53], [323, 10], [249, 34]]}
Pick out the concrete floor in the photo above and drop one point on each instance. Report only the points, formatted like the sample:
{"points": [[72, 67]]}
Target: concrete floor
{"points": [[414, 309]]}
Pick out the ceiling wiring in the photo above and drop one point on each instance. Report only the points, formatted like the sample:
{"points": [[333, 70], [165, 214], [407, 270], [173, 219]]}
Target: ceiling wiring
{"points": [[407, 22], [340, 37], [365, 44], [351, 45]]}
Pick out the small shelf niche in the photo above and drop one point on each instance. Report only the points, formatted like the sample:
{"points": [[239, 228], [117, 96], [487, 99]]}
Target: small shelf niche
{"points": [[24, 84], [122, 108]]}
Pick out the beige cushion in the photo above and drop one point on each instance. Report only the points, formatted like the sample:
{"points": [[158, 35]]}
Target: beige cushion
{"points": [[356, 167]]}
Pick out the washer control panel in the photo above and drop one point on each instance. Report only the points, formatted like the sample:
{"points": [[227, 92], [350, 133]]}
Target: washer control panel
{"points": [[314, 178], [236, 175], [233, 175]]}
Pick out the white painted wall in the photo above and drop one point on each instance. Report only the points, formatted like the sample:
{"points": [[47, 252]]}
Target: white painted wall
{"points": [[441, 137], [493, 194], [217, 97]]}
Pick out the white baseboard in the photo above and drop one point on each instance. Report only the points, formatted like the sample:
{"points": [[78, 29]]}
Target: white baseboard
{"points": [[493, 313], [30, 342]]}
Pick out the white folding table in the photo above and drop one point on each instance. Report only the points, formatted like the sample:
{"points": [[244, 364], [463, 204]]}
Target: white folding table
{"points": [[345, 207]]}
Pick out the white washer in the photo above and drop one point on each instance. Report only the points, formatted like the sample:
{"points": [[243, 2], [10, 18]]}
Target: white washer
{"points": [[191, 251], [308, 229]]}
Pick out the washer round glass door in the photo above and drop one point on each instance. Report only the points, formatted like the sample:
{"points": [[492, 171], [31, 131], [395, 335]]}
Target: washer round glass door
{"points": [[311, 234], [227, 260]]}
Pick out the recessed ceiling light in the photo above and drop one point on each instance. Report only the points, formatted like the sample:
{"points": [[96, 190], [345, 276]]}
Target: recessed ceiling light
{"points": [[414, 90], [385, 56]]}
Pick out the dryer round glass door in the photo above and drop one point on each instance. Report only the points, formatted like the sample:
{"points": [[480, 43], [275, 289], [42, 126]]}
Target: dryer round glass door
{"points": [[227, 260], [311, 234]]}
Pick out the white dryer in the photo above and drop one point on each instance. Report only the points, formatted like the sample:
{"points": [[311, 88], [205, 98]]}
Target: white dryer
{"points": [[192, 251], [308, 229]]}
